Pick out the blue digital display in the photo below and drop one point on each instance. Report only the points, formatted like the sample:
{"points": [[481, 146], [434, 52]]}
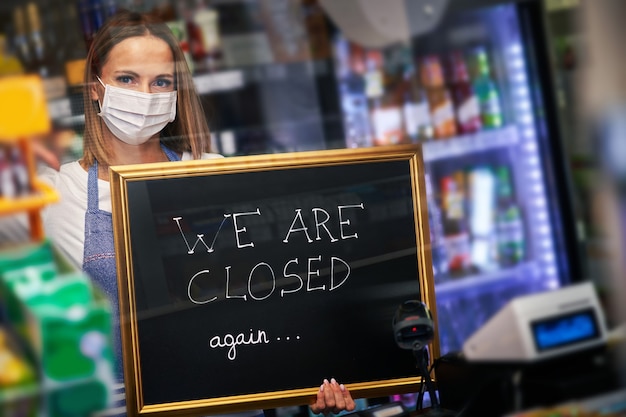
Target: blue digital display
{"points": [[565, 330]]}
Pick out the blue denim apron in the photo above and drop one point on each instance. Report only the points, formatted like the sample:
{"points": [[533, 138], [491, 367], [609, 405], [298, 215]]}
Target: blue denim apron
{"points": [[99, 253]]}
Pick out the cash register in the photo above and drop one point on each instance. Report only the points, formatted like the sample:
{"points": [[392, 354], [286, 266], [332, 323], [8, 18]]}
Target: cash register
{"points": [[540, 326], [538, 350]]}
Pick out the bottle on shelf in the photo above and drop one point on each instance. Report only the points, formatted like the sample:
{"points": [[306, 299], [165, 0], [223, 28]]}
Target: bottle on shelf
{"points": [[385, 109], [437, 244], [196, 47], [87, 25], [439, 97], [38, 47], [97, 13], [373, 77], [175, 20], [455, 227], [20, 39], [481, 208], [45, 60], [179, 29], [416, 113], [509, 221], [205, 42], [50, 13], [351, 69], [466, 105], [317, 29], [92, 15], [74, 53], [485, 88]]}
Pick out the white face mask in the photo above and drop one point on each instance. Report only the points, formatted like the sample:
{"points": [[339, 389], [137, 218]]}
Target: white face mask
{"points": [[133, 116]]}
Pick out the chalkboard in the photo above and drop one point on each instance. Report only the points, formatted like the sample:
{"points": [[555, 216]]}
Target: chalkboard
{"points": [[246, 281]]}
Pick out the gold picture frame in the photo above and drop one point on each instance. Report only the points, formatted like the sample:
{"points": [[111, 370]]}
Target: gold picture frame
{"points": [[166, 214]]}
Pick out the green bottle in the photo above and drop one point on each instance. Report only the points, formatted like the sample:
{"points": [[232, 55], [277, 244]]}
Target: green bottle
{"points": [[509, 222], [486, 89]]}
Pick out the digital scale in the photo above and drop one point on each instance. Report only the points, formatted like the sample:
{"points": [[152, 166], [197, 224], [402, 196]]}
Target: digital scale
{"points": [[539, 326]]}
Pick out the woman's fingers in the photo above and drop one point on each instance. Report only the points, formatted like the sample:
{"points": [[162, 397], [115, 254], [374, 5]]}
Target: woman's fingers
{"points": [[44, 154], [320, 403], [332, 397]]}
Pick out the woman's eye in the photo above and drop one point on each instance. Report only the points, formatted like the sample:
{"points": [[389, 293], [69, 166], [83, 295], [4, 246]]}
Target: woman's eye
{"points": [[125, 79], [163, 83]]}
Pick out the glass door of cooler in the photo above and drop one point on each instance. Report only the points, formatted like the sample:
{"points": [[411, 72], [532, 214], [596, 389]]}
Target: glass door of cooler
{"points": [[500, 219], [474, 93]]}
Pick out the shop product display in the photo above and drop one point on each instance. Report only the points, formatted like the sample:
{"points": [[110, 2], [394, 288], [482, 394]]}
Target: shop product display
{"points": [[64, 326]]}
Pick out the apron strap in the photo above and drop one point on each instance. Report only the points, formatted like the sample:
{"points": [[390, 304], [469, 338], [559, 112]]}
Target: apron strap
{"points": [[92, 188], [92, 180]]}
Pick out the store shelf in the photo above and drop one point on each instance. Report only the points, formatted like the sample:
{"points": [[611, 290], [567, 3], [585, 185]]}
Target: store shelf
{"points": [[283, 71], [471, 282], [60, 108], [235, 79], [468, 144], [42, 195], [558, 5], [220, 81]]}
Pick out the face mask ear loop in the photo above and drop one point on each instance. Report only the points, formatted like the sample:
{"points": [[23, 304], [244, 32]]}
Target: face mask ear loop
{"points": [[105, 87]]}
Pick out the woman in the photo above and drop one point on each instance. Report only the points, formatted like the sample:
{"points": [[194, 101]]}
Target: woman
{"points": [[140, 107]]}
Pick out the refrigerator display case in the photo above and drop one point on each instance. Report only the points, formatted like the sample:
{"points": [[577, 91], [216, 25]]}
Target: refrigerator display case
{"points": [[476, 92]]}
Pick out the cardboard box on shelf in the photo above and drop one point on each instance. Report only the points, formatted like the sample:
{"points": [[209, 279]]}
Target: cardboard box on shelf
{"points": [[64, 325]]}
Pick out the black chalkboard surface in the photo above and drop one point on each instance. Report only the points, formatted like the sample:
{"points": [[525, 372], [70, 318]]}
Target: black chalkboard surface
{"points": [[246, 281]]}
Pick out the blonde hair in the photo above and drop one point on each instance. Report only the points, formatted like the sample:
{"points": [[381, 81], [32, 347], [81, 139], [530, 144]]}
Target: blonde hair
{"points": [[188, 132]]}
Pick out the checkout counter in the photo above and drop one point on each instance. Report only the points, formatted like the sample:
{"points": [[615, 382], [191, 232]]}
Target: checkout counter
{"points": [[540, 352], [546, 354]]}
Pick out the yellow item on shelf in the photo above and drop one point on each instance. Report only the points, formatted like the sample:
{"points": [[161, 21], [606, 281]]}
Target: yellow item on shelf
{"points": [[14, 370], [23, 107], [9, 64], [24, 114], [43, 194], [74, 71], [19, 389]]}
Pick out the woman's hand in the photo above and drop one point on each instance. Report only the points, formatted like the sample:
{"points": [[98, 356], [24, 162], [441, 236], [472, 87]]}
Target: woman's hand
{"points": [[50, 148], [332, 397], [42, 153]]}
